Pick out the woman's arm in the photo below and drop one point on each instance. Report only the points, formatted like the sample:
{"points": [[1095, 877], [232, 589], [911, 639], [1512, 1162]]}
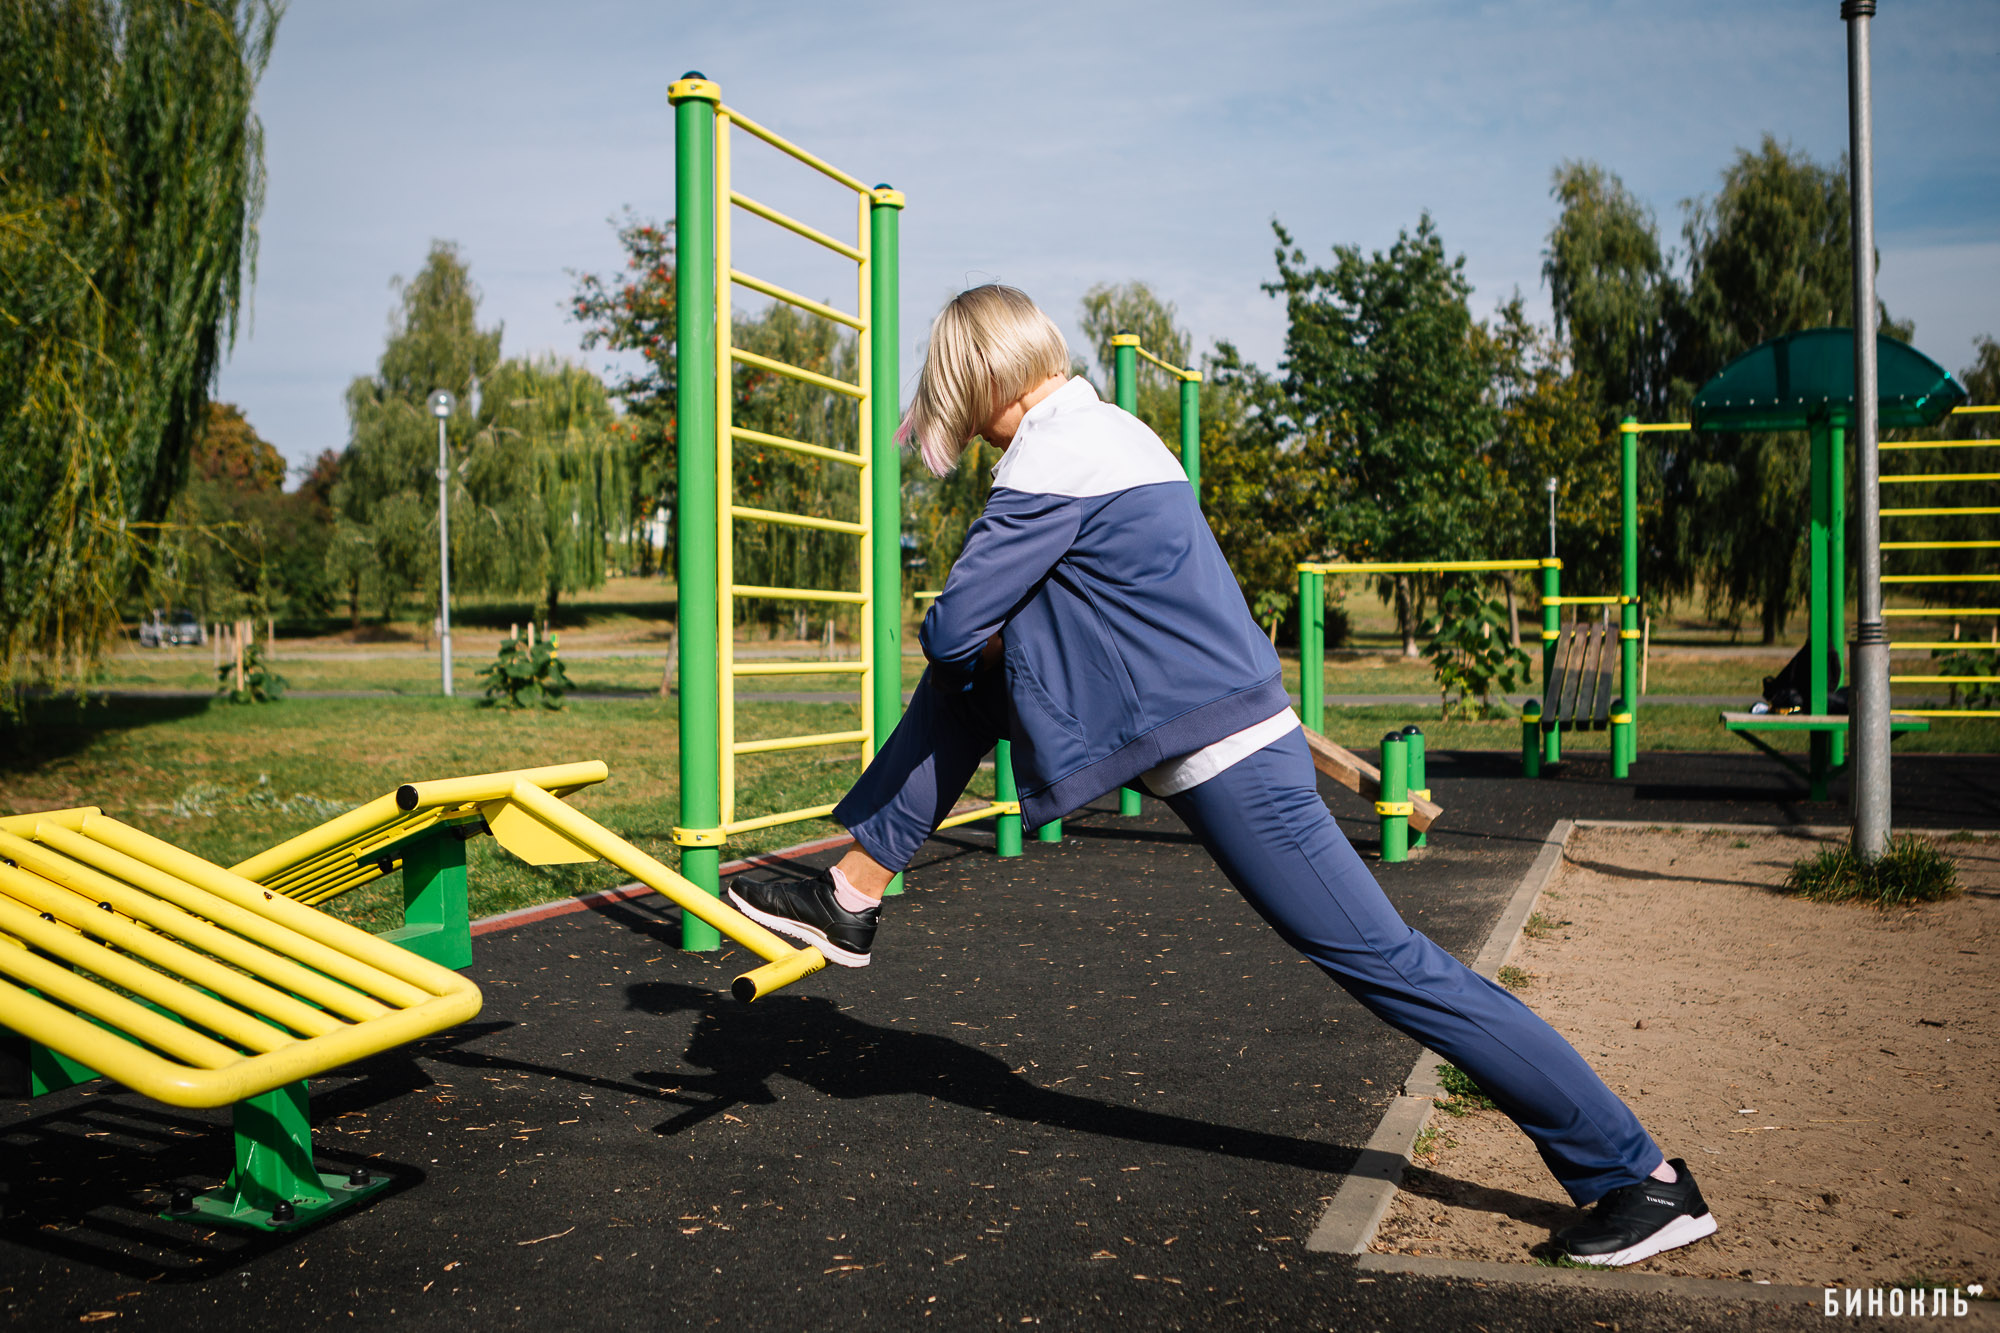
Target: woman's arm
{"points": [[1007, 554]]}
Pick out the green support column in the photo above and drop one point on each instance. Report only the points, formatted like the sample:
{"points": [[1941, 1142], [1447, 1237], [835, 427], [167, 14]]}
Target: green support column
{"points": [[1551, 631], [1836, 572], [1531, 739], [1007, 828], [1628, 588], [1413, 740], [885, 463], [275, 1185], [1191, 430], [1125, 392], [1049, 832], [1621, 739], [436, 922], [1820, 511], [1312, 649], [1394, 805], [699, 832]]}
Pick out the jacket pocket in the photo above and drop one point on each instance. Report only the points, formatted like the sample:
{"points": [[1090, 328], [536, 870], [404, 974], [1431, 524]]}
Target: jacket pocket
{"points": [[1029, 691]]}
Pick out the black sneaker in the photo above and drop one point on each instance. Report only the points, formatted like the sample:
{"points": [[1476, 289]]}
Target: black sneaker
{"points": [[1635, 1222], [806, 910]]}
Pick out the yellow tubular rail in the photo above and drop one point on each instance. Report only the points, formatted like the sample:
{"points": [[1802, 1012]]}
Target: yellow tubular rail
{"points": [[819, 451], [798, 594], [1942, 645], [1938, 512], [785, 145], [799, 373], [1178, 372], [1939, 546], [1939, 680], [1908, 478], [798, 520], [806, 303], [793, 225], [782, 817], [989, 811], [1941, 612], [1941, 578], [799, 668], [1421, 566], [777, 743]]}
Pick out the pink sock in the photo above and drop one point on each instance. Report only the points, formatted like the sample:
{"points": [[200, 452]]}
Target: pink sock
{"points": [[849, 897], [1665, 1174]]}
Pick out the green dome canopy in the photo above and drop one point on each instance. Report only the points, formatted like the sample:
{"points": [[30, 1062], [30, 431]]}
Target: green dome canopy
{"points": [[1792, 381]]}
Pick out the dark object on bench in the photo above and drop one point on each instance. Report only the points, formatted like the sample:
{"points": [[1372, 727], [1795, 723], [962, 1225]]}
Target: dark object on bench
{"points": [[1788, 691]]}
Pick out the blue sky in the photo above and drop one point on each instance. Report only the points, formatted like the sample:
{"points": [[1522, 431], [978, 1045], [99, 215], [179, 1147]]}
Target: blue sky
{"points": [[1057, 146]]}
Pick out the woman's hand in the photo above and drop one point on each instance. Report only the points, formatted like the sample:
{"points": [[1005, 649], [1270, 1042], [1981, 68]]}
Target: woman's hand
{"points": [[991, 652]]}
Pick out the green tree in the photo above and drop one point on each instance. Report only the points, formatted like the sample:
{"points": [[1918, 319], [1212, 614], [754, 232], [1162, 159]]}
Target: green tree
{"points": [[1387, 384], [1133, 307], [1611, 290], [131, 175], [634, 311]]}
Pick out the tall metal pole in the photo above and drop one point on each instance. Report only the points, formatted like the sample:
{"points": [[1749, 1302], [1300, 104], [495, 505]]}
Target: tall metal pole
{"points": [[1191, 430], [441, 404], [1125, 391], [885, 470], [699, 832], [1870, 673]]}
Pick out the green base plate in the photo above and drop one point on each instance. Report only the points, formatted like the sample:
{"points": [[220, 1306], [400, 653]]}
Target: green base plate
{"points": [[226, 1207]]}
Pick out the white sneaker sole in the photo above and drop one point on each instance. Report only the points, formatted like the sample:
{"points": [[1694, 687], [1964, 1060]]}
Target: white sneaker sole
{"points": [[799, 932], [1683, 1230]]}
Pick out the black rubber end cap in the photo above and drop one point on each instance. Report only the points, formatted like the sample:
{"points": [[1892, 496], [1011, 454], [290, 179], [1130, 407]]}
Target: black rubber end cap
{"points": [[182, 1202], [406, 797], [694, 74], [1392, 736], [743, 989], [1412, 730], [282, 1211], [359, 1177]]}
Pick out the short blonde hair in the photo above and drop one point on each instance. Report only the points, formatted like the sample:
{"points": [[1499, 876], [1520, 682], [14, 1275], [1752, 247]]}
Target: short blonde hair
{"points": [[988, 347]]}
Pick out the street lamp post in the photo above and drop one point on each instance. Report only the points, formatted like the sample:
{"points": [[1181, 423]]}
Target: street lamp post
{"points": [[1549, 485], [441, 404]]}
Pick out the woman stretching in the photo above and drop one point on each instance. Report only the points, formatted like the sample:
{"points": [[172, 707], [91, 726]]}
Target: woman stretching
{"points": [[1092, 621]]}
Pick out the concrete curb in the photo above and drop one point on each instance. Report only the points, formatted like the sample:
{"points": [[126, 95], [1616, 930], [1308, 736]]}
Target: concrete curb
{"points": [[1535, 1275], [1350, 1220]]}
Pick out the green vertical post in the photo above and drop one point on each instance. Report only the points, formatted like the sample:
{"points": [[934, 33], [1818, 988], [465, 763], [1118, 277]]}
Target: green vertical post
{"points": [[1125, 392], [1531, 739], [1551, 632], [1049, 832], [1836, 572], [275, 1186], [436, 923], [699, 832], [1191, 430], [1820, 510], [1621, 739], [885, 463], [1395, 797], [1628, 587], [1007, 828], [1419, 782], [1312, 648]]}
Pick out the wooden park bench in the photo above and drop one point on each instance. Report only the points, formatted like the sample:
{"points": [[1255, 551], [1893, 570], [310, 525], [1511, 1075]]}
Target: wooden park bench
{"points": [[127, 958], [1578, 691], [1753, 727]]}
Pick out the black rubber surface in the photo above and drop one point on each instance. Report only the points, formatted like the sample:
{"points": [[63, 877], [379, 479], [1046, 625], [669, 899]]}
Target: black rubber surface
{"points": [[1086, 1085]]}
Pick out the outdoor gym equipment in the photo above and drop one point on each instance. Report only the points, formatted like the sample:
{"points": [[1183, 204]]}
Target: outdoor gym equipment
{"points": [[1804, 381], [705, 203], [125, 957]]}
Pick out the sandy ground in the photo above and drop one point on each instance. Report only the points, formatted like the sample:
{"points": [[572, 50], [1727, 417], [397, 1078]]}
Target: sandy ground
{"points": [[1828, 1072]]}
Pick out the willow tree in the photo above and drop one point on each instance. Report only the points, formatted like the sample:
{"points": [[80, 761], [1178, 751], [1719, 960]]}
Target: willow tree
{"points": [[131, 176]]}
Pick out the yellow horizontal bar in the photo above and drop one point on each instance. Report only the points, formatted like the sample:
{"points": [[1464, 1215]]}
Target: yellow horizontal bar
{"points": [[925, 596], [1178, 372], [1939, 444], [800, 373], [79, 992], [783, 817], [1975, 409], [1941, 612], [1937, 680], [799, 742], [798, 668], [1939, 546], [824, 311], [1918, 513], [1941, 578], [1641, 427], [1907, 478], [992, 811], [797, 594], [796, 227], [1945, 645], [798, 520], [786, 146], [1612, 600], [797, 446], [1421, 567], [1951, 712]]}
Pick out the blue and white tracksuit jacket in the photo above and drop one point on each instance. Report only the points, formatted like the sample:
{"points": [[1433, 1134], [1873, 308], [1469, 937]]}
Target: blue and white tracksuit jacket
{"points": [[1128, 644]]}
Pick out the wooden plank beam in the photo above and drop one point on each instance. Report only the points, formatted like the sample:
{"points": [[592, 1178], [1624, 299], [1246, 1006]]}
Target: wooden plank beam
{"points": [[1359, 776]]}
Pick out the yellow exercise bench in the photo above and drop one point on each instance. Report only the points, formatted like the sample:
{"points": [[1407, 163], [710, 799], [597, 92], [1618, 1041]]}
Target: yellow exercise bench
{"points": [[125, 957]]}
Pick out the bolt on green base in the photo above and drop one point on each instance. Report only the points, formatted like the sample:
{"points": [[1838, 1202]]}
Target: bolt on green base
{"points": [[275, 1186]]}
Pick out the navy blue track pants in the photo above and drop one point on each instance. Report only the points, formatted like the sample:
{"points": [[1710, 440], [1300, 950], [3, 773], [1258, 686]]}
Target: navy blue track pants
{"points": [[1263, 821]]}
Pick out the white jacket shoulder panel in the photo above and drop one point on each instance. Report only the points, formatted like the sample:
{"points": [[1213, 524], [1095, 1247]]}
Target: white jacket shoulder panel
{"points": [[1074, 444]]}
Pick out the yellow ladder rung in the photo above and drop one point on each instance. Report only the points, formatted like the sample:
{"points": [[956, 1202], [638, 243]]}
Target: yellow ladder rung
{"points": [[798, 520], [798, 594], [799, 742], [796, 227]]}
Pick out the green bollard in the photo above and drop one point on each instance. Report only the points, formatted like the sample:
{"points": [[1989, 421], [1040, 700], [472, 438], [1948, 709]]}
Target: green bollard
{"points": [[1531, 739], [1007, 828], [1394, 807], [1049, 832], [1419, 781], [1621, 739], [1128, 801]]}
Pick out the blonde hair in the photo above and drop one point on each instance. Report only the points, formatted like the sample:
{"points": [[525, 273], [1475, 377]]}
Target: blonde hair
{"points": [[988, 347]]}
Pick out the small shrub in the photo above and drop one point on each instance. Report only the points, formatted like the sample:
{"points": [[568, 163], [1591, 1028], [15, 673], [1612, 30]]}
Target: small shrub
{"points": [[1515, 978], [1540, 925], [1471, 653], [1913, 870], [1466, 1095], [525, 673], [261, 683]]}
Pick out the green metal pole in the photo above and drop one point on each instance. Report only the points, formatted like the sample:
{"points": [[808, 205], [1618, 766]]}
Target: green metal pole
{"points": [[1628, 588], [1531, 739], [885, 464], [1836, 572], [1413, 739], [1007, 828], [1312, 649], [1621, 737], [1551, 632], [1125, 392], [699, 832], [1395, 793], [1191, 431], [1817, 624], [1049, 832]]}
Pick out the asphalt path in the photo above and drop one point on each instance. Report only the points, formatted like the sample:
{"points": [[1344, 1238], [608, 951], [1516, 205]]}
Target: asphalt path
{"points": [[1083, 1085]]}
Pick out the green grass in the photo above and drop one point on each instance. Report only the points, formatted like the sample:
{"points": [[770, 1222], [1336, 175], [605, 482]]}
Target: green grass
{"points": [[225, 782], [1540, 925], [1465, 1096], [1514, 978], [1912, 871]]}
